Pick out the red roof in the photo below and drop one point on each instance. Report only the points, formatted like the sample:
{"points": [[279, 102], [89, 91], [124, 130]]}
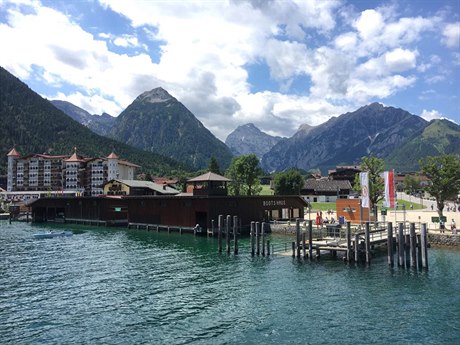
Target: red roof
{"points": [[13, 153], [112, 156], [75, 158]]}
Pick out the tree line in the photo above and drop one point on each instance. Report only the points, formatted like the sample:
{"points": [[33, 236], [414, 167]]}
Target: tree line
{"points": [[442, 171]]}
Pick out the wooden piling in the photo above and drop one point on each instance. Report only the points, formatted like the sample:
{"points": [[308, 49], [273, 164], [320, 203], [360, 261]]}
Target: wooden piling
{"points": [[348, 241], [227, 233], [401, 245], [407, 249], [419, 251], [310, 239], [367, 243], [413, 246], [235, 235], [220, 223], [304, 246], [263, 238], [268, 247], [253, 229], [257, 238], [297, 232], [212, 228], [391, 261], [424, 246], [356, 248], [293, 249]]}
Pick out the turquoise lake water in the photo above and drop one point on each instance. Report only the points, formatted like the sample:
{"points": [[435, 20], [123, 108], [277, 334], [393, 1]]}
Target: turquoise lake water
{"points": [[118, 286]]}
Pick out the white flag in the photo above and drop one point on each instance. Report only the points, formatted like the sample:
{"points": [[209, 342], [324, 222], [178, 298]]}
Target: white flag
{"points": [[364, 179]]}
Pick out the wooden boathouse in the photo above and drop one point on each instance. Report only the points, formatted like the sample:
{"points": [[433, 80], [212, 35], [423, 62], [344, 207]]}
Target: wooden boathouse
{"points": [[205, 200], [176, 211]]}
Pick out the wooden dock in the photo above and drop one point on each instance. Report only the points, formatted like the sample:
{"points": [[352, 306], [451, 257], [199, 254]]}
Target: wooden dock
{"points": [[410, 243]]}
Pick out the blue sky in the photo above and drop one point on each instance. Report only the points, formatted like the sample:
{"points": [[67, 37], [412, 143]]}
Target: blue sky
{"points": [[277, 64]]}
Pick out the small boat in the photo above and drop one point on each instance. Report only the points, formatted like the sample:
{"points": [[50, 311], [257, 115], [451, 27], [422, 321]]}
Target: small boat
{"points": [[51, 234]]}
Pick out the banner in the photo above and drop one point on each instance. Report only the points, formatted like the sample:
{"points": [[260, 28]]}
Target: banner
{"points": [[388, 177], [364, 180]]}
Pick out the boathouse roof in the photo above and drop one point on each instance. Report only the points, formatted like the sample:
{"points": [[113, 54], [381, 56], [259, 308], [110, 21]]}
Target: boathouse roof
{"points": [[160, 188], [209, 176]]}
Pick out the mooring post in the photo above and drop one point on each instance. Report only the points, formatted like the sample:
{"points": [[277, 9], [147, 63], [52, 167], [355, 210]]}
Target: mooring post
{"points": [[310, 239], [212, 228], [413, 246], [419, 251], [367, 243], [268, 247], [424, 246], [304, 245], [401, 245], [220, 223], [257, 238], [263, 238], [235, 234], [293, 249], [390, 244], [356, 247], [297, 232], [253, 226], [227, 232], [10, 217], [407, 249], [348, 241]]}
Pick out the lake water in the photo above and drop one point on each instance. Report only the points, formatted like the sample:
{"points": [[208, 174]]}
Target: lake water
{"points": [[118, 286]]}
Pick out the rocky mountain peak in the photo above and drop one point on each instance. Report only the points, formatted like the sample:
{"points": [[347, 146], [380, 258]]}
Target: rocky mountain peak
{"points": [[246, 139], [156, 95]]}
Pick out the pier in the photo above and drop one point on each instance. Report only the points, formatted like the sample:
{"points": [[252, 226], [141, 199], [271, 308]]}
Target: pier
{"points": [[409, 243]]}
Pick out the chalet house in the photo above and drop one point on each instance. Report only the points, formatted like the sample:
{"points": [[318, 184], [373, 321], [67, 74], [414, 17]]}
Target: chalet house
{"points": [[325, 190], [135, 187], [344, 172]]}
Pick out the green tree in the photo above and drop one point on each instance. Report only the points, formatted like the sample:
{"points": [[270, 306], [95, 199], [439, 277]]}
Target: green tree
{"points": [[411, 184], [213, 165], [374, 166], [444, 174], [288, 183], [245, 172]]}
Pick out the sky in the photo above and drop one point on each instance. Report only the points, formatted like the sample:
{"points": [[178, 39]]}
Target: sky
{"points": [[276, 64]]}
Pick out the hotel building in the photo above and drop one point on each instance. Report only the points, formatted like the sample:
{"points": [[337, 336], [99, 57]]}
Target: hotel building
{"points": [[82, 175]]}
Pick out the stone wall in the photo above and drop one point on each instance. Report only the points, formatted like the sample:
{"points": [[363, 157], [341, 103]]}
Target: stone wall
{"points": [[443, 239]]}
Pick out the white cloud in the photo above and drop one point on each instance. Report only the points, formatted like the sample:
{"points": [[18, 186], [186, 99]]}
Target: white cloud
{"points": [[431, 115], [369, 25], [451, 35], [204, 48]]}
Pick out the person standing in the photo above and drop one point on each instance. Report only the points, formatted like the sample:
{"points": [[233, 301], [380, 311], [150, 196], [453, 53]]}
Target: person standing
{"points": [[442, 227], [453, 227]]}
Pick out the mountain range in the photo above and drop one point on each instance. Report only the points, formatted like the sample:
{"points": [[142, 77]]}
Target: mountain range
{"points": [[157, 122], [393, 134], [32, 124], [165, 132]]}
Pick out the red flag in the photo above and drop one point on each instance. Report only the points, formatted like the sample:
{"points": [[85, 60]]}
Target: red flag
{"points": [[388, 177]]}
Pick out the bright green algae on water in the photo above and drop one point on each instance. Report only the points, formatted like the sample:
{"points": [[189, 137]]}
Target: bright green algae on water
{"points": [[118, 286]]}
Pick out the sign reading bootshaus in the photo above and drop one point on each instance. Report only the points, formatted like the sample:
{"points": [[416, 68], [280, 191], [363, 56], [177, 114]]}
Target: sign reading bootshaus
{"points": [[268, 203]]}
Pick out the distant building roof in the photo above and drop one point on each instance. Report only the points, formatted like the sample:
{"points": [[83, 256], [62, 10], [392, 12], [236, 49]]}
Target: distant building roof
{"points": [[209, 176], [112, 156], [163, 189], [13, 153], [123, 162], [326, 185], [75, 158]]}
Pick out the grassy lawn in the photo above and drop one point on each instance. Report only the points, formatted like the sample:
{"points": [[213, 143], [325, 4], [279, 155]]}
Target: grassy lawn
{"points": [[324, 206], [266, 190]]}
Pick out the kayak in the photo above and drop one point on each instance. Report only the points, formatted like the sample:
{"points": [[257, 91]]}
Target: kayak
{"points": [[51, 234]]}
